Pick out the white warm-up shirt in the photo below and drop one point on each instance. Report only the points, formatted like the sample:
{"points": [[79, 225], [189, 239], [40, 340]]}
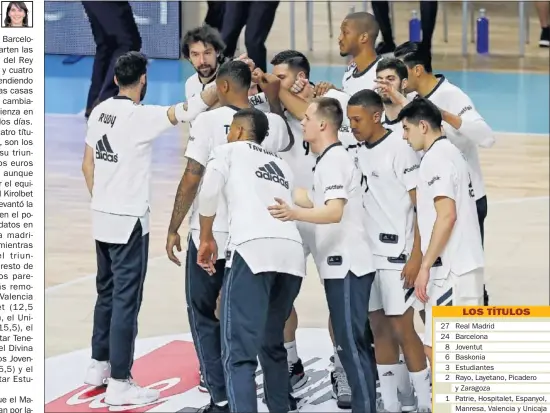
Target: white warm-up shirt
{"points": [[390, 167], [344, 134], [299, 157], [251, 178], [343, 246], [474, 131], [121, 134], [444, 172], [354, 81], [209, 131], [393, 125], [193, 85]]}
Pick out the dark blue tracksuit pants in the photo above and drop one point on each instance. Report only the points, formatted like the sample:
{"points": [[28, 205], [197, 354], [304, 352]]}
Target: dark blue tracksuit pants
{"points": [[121, 270], [348, 302], [201, 294], [254, 310]]}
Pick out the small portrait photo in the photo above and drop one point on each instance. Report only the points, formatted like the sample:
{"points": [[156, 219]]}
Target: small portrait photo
{"points": [[16, 13]]}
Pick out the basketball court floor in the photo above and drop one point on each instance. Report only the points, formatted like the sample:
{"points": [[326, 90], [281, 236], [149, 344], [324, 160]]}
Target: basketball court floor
{"points": [[517, 236]]}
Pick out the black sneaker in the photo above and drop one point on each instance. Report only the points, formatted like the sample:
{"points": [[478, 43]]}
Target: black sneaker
{"points": [[385, 48], [214, 408], [545, 37], [297, 375], [294, 404]]}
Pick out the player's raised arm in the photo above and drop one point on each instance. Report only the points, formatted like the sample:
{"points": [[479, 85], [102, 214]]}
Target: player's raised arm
{"points": [[188, 111], [271, 86], [295, 104], [293, 70], [467, 121]]}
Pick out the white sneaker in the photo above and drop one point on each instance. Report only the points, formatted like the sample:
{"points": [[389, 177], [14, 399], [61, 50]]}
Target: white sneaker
{"points": [[380, 408], [408, 402], [124, 392], [98, 373]]}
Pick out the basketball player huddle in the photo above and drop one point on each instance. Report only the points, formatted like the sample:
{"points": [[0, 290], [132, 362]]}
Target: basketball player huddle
{"points": [[378, 180]]}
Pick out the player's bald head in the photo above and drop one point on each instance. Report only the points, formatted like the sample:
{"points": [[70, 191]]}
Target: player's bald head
{"points": [[364, 22]]}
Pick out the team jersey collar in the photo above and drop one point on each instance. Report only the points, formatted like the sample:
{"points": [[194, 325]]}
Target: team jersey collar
{"points": [[389, 122], [439, 83], [119, 97], [328, 148], [357, 74], [434, 142], [378, 142], [213, 79]]}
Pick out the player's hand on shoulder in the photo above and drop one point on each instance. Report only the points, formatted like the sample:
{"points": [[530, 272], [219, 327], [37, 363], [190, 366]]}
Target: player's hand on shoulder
{"points": [[322, 88], [173, 240], [282, 211], [207, 255]]}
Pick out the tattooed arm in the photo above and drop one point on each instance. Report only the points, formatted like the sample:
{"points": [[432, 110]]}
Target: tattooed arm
{"points": [[187, 190], [186, 193]]}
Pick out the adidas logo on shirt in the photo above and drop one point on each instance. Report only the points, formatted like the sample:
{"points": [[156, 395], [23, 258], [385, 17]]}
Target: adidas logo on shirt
{"points": [[104, 151], [271, 172]]}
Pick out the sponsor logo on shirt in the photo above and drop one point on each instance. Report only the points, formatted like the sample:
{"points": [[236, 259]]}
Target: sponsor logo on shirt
{"points": [[333, 187], [464, 110], [432, 181], [104, 152], [271, 172], [412, 168]]}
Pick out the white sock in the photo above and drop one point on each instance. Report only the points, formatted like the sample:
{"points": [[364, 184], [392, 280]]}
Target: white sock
{"points": [[403, 379], [401, 357], [387, 374], [421, 383], [291, 352], [221, 404], [337, 362]]}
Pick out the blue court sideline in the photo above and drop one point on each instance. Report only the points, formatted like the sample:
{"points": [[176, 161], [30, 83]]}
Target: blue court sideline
{"points": [[510, 102]]}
